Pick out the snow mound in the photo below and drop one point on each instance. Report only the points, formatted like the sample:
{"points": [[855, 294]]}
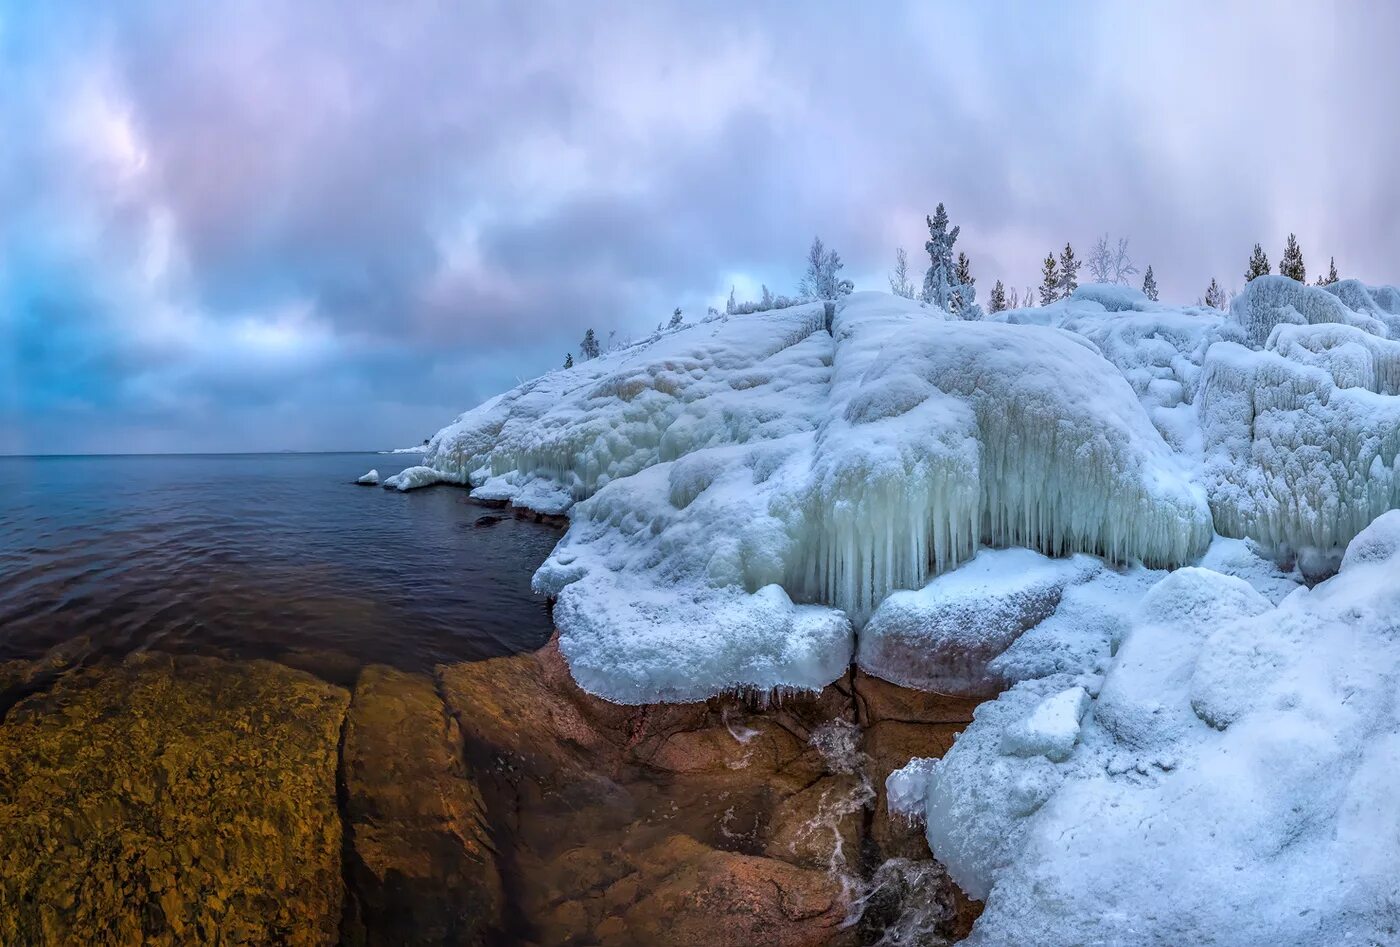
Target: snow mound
{"points": [[1113, 297], [1269, 301], [716, 382], [1302, 441], [412, 478], [1231, 783], [370, 479], [942, 637], [1382, 302]]}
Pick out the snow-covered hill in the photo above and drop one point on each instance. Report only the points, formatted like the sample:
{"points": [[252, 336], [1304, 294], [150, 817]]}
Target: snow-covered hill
{"points": [[757, 500]]}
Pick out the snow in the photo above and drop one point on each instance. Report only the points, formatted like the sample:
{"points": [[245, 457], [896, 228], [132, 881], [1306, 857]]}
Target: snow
{"points": [[820, 478], [370, 479], [412, 478], [1231, 781], [942, 637]]}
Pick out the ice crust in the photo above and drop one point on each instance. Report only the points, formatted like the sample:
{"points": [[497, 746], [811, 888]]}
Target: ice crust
{"points": [[1231, 781], [802, 474]]}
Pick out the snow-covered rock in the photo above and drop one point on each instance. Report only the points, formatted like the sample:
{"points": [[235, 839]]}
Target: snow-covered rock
{"points": [[370, 479], [1269, 301], [1230, 784], [411, 478]]}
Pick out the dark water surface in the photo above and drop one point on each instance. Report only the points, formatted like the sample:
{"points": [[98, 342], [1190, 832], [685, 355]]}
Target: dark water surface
{"points": [[260, 555]]}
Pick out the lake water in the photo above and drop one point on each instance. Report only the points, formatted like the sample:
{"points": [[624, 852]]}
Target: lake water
{"points": [[271, 555]]}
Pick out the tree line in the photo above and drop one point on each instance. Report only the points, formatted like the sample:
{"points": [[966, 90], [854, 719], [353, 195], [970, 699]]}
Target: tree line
{"points": [[949, 284]]}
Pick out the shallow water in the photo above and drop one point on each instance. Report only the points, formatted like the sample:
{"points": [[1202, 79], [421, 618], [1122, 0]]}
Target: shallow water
{"points": [[260, 555]]}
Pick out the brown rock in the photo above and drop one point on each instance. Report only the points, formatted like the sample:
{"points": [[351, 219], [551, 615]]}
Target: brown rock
{"points": [[423, 868], [169, 801], [878, 700]]}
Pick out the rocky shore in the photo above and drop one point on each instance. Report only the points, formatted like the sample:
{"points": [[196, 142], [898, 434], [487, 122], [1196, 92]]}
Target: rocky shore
{"points": [[176, 799]]}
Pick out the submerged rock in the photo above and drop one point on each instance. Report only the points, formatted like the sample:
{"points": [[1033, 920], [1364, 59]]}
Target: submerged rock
{"points": [[423, 869], [169, 801]]}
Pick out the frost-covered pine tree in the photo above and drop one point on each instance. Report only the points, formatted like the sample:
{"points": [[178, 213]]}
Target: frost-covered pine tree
{"points": [[941, 278], [676, 320], [589, 347], [1069, 272], [1292, 263], [731, 307], [1149, 284], [766, 301], [1050, 281], [1331, 276], [569, 360], [997, 301], [964, 296], [899, 279], [1215, 297], [1258, 264]]}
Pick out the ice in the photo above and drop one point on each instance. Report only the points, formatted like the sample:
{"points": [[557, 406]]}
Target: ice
{"points": [[1050, 729], [370, 479], [1232, 783], [943, 636], [1269, 301], [412, 478], [1302, 440]]}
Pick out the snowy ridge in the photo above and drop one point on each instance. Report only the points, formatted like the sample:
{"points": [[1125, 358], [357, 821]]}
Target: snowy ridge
{"points": [[786, 471]]}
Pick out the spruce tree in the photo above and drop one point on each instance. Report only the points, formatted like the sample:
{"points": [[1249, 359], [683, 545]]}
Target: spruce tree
{"points": [[941, 280], [731, 307], [1292, 263], [569, 360], [1215, 296], [676, 319], [1149, 284], [1069, 272], [998, 300], [1332, 276], [766, 301], [1050, 281], [1258, 264], [589, 348]]}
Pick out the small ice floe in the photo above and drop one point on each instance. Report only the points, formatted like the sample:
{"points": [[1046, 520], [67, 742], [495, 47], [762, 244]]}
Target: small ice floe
{"points": [[370, 479]]}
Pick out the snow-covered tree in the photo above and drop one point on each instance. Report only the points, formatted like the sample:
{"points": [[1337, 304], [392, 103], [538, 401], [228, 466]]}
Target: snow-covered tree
{"points": [[1049, 281], [569, 360], [1215, 297], [1069, 272], [1258, 264], [1149, 284], [589, 347], [899, 279], [964, 297], [820, 281], [676, 320], [1111, 263], [941, 280], [997, 301], [732, 306], [1331, 276], [1292, 263], [766, 300]]}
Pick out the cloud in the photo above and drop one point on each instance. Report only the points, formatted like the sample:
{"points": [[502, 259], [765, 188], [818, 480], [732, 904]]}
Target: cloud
{"points": [[250, 224]]}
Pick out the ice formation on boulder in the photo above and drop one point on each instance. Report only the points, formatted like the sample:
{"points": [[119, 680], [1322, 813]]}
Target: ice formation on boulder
{"points": [[1231, 782], [1269, 301], [412, 478], [943, 637], [370, 479], [1302, 440]]}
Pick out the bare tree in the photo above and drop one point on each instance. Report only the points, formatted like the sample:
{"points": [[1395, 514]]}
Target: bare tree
{"points": [[1111, 263], [900, 284]]}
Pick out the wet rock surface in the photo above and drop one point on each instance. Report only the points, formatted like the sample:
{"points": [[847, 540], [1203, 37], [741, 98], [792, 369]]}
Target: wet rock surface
{"points": [[171, 801], [421, 865]]}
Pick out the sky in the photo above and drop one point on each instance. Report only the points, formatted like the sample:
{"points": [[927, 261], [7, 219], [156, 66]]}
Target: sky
{"points": [[333, 224]]}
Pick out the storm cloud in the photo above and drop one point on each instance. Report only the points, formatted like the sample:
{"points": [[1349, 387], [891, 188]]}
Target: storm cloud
{"points": [[260, 225]]}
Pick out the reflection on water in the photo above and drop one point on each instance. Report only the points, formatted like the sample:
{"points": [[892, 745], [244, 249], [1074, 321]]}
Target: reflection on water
{"points": [[260, 555]]}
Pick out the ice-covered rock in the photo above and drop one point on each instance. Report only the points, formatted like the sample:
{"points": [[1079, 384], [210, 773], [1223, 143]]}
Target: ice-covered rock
{"points": [[1302, 440], [411, 478], [942, 637], [1050, 729], [1228, 785], [370, 479], [1269, 301]]}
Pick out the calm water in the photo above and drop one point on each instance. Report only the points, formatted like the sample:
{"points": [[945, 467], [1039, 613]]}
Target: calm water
{"points": [[260, 555]]}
